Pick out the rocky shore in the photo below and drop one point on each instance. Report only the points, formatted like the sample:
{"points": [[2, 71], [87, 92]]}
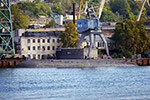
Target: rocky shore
{"points": [[74, 63]]}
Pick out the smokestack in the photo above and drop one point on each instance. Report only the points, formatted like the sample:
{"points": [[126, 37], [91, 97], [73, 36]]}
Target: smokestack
{"points": [[74, 13]]}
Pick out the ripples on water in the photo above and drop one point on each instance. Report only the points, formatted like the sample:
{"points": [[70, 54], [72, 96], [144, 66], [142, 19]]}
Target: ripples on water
{"points": [[103, 83]]}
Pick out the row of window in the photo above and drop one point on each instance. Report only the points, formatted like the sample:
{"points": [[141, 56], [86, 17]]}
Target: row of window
{"points": [[100, 44], [41, 48], [39, 56], [43, 40]]}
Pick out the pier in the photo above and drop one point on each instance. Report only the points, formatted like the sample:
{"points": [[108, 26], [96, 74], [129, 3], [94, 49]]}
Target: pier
{"points": [[10, 63], [139, 62]]}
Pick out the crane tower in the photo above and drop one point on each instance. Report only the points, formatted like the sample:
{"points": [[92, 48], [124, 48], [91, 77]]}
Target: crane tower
{"points": [[6, 31]]}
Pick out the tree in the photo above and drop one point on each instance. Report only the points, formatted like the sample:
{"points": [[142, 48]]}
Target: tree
{"points": [[52, 1], [131, 37], [19, 20], [107, 14], [34, 9], [57, 9], [69, 37], [120, 6], [50, 24]]}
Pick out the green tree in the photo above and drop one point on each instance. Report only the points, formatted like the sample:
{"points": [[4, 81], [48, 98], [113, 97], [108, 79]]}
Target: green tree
{"points": [[50, 24], [120, 6], [69, 37], [107, 14], [19, 20], [131, 37], [34, 9], [52, 1], [58, 9]]}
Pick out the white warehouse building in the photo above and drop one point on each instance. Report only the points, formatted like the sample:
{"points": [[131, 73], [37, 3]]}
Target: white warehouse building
{"points": [[37, 44]]}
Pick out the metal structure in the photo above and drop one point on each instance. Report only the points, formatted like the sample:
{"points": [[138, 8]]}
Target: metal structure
{"points": [[6, 31], [140, 13], [91, 27]]}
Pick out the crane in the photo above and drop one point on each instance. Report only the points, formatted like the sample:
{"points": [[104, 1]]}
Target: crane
{"points": [[6, 30], [92, 27], [140, 13]]}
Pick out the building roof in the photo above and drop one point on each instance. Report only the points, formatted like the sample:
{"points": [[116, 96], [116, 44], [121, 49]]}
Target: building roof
{"points": [[46, 29], [42, 34]]}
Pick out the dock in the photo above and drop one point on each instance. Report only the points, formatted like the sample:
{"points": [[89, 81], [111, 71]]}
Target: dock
{"points": [[10, 63], [139, 62]]}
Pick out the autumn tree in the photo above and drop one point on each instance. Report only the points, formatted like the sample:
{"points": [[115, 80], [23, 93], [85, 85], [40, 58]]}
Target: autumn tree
{"points": [[69, 37], [131, 37]]}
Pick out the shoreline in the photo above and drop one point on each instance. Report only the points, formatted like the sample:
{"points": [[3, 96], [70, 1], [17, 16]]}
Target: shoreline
{"points": [[74, 63]]}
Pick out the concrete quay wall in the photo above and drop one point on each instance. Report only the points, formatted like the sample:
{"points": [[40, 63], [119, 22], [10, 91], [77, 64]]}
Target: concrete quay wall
{"points": [[74, 63]]}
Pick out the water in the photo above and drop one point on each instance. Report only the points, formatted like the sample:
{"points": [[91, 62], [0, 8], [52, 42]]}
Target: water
{"points": [[103, 83]]}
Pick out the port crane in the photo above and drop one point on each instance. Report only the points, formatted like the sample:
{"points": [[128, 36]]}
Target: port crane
{"points": [[92, 27], [6, 30], [141, 10]]}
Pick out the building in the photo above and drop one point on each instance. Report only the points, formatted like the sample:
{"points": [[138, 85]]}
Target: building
{"points": [[98, 42], [37, 44]]}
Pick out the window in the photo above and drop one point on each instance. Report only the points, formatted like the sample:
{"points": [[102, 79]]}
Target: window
{"points": [[33, 40], [43, 40], [43, 48], [38, 40], [28, 40], [53, 47], [38, 48], [28, 47], [98, 44], [33, 47], [48, 40], [39, 57], [34, 56], [53, 40], [48, 48], [57, 40], [103, 44]]}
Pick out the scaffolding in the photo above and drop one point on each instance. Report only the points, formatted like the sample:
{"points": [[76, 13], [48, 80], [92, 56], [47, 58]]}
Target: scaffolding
{"points": [[6, 31]]}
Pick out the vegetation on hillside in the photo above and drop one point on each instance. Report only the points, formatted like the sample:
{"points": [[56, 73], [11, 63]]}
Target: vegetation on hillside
{"points": [[115, 10], [19, 20]]}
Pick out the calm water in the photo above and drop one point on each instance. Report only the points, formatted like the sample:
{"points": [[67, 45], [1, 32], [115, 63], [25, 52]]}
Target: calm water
{"points": [[103, 83]]}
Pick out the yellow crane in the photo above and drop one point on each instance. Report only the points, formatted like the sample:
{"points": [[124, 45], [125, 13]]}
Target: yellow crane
{"points": [[140, 13], [100, 8], [99, 11], [79, 9]]}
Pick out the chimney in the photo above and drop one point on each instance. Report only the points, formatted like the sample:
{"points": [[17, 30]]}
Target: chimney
{"points": [[74, 13]]}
